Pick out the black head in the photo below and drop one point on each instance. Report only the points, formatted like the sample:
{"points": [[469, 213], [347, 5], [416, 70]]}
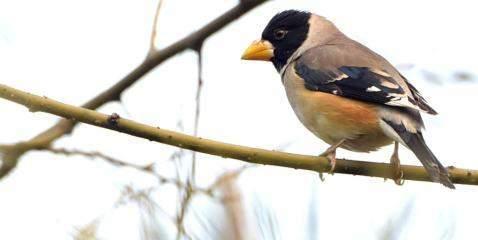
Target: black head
{"points": [[286, 31]]}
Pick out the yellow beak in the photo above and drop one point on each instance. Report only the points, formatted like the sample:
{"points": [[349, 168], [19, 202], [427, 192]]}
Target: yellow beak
{"points": [[259, 50]]}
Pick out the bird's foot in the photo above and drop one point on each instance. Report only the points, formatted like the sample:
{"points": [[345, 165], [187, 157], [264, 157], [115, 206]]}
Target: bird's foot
{"points": [[397, 172], [330, 155]]}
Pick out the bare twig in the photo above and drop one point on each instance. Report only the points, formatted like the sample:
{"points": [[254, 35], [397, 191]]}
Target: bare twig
{"points": [[248, 154], [184, 207], [11, 153], [188, 193], [95, 154], [198, 107], [146, 169], [152, 41]]}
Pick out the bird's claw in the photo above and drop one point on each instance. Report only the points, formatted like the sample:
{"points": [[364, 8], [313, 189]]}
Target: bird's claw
{"points": [[330, 155], [398, 177], [321, 176]]}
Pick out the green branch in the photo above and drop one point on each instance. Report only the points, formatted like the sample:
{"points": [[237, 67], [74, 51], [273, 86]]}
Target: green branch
{"points": [[248, 154]]}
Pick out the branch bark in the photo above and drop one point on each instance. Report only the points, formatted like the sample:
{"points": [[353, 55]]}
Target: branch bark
{"points": [[247, 154], [12, 152]]}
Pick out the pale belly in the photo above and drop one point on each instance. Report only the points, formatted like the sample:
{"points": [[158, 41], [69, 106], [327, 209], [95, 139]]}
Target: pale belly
{"points": [[333, 118]]}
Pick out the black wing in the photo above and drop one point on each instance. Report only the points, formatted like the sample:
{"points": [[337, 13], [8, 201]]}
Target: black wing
{"points": [[360, 83], [421, 102], [351, 70]]}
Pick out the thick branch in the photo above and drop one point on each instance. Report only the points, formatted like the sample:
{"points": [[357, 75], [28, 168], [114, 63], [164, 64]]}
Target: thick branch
{"points": [[247, 154], [13, 152]]}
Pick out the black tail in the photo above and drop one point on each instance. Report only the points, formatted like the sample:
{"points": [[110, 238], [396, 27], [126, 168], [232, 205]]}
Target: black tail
{"points": [[416, 143], [435, 169]]}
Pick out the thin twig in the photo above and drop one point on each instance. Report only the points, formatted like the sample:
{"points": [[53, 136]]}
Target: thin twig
{"points": [[152, 41], [95, 154], [247, 154], [146, 169], [184, 207], [198, 106], [186, 201]]}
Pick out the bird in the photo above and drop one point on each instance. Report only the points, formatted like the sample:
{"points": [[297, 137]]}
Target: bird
{"points": [[345, 93]]}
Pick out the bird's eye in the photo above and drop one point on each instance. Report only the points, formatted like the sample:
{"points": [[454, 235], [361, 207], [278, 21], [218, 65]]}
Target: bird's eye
{"points": [[279, 34]]}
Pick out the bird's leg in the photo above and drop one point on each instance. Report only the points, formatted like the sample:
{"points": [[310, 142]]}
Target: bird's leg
{"points": [[330, 154], [395, 162]]}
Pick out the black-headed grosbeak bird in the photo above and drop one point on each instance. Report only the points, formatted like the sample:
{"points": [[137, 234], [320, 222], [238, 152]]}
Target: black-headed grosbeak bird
{"points": [[343, 92]]}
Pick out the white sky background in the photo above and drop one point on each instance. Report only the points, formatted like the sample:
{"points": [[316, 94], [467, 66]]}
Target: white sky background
{"points": [[71, 50]]}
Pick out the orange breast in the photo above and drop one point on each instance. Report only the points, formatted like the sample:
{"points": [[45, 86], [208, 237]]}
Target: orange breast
{"points": [[333, 118]]}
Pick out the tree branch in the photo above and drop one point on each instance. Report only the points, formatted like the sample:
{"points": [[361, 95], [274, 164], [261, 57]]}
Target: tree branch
{"points": [[247, 154], [12, 152]]}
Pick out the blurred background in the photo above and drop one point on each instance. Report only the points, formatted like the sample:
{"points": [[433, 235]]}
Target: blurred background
{"points": [[72, 50]]}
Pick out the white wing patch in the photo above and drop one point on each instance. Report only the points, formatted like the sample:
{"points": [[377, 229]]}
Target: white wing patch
{"points": [[401, 100], [373, 89]]}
